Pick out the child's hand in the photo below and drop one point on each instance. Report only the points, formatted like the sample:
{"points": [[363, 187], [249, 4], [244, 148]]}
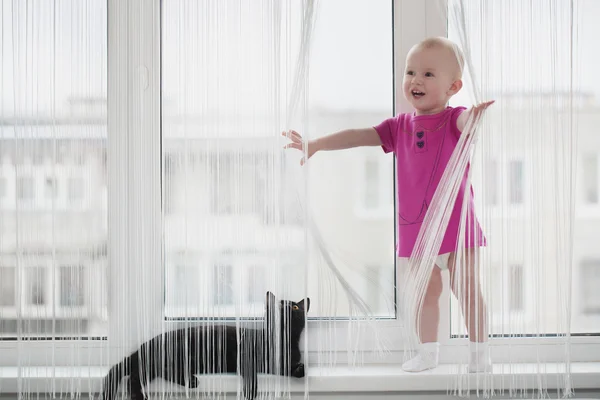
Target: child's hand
{"points": [[475, 111], [298, 143], [478, 109]]}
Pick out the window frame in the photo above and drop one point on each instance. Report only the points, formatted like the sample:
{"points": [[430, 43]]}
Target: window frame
{"points": [[134, 150]]}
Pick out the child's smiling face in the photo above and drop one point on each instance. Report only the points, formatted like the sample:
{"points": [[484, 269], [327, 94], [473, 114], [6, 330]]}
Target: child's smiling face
{"points": [[431, 77]]}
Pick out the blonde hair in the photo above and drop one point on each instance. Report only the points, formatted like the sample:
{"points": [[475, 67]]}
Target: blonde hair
{"points": [[444, 43]]}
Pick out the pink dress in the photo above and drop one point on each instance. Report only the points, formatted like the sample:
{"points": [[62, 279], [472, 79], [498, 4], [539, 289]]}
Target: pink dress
{"points": [[423, 146]]}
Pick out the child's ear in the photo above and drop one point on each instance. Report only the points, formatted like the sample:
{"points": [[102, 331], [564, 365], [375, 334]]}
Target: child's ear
{"points": [[455, 88]]}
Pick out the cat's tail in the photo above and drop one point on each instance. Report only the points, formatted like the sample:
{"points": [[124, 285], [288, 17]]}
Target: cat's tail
{"points": [[114, 377]]}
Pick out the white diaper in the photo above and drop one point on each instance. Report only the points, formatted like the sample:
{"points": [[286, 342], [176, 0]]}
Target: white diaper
{"points": [[442, 261]]}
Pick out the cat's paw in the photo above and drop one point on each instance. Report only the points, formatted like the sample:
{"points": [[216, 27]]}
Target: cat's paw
{"points": [[298, 372]]}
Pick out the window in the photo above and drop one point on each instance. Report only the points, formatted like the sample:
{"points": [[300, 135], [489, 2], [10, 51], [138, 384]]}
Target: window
{"points": [[72, 286], [25, 188], [52, 54], [223, 190], [591, 179], [3, 188], [36, 289], [502, 183], [223, 285], [217, 179], [233, 197], [257, 284], [533, 183], [492, 182], [516, 288], [7, 286], [516, 186], [51, 188], [376, 191], [590, 282], [76, 189]]}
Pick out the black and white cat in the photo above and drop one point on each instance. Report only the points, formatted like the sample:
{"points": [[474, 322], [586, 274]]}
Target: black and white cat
{"points": [[178, 355]]}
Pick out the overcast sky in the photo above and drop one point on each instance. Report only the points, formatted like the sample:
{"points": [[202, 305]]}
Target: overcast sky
{"points": [[351, 63]]}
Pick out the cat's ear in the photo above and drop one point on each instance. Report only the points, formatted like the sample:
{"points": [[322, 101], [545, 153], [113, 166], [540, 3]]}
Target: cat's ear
{"points": [[270, 298], [301, 304]]}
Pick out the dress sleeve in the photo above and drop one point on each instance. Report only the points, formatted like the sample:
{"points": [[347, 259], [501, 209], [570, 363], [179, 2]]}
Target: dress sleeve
{"points": [[388, 133]]}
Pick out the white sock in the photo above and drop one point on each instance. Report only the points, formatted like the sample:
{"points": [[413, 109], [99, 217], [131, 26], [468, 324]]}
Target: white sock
{"points": [[426, 358], [479, 360]]}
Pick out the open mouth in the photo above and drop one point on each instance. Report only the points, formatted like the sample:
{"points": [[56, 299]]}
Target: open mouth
{"points": [[417, 93]]}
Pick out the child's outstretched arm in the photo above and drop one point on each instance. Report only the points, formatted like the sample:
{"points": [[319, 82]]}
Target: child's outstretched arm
{"points": [[346, 139], [461, 122]]}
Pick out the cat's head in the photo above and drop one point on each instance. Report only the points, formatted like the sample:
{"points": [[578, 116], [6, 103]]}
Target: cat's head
{"points": [[289, 313]]}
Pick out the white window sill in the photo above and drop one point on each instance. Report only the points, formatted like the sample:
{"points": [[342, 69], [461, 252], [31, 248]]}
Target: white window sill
{"points": [[372, 378]]}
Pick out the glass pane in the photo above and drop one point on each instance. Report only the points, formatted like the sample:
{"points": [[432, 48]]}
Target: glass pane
{"points": [[528, 132], [352, 86], [53, 127], [230, 192]]}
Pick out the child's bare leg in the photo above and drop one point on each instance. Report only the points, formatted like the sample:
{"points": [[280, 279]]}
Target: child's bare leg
{"points": [[429, 320], [429, 317], [467, 289]]}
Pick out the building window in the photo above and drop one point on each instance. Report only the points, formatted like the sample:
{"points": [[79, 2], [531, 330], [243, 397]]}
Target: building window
{"points": [[25, 188], [516, 288], [36, 286], [3, 188], [71, 286], [222, 182], [590, 179], [76, 189], [516, 182], [257, 285], [182, 281], [491, 183], [51, 188], [223, 285], [371, 193], [590, 282], [376, 193], [7, 286]]}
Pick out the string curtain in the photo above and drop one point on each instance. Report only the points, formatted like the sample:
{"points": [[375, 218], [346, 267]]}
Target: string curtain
{"points": [[238, 217]]}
